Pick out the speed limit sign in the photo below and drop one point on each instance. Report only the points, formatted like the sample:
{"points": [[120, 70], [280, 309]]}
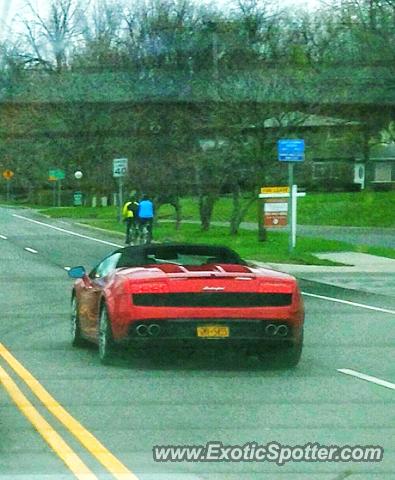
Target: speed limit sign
{"points": [[119, 167]]}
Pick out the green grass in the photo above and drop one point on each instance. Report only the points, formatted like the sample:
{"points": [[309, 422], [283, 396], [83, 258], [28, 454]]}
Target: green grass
{"points": [[362, 209], [365, 209], [222, 210], [109, 213], [275, 249]]}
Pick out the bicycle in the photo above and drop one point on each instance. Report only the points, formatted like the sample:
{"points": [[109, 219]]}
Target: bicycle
{"points": [[134, 231], [145, 234], [132, 234]]}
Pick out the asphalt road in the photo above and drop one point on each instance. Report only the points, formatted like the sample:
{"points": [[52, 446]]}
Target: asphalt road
{"points": [[139, 402]]}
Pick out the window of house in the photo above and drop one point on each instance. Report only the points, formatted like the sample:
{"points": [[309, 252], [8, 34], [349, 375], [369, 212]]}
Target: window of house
{"points": [[383, 172]]}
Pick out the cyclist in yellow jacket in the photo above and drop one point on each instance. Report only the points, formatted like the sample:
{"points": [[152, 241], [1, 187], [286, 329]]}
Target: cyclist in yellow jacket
{"points": [[130, 217]]}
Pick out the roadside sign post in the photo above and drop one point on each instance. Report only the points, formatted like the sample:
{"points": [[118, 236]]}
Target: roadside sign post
{"points": [[120, 196], [7, 175], [294, 195], [59, 192], [120, 170], [291, 215], [78, 197], [56, 175], [261, 224], [291, 151], [273, 209], [54, 193], [276, 208]]}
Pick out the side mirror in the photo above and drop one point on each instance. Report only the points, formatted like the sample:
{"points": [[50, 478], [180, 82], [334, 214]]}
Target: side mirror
{"points": [[77, 272]]}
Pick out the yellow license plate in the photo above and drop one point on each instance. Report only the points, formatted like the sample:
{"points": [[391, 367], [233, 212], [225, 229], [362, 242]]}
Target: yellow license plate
{"points": [[213, 331]]}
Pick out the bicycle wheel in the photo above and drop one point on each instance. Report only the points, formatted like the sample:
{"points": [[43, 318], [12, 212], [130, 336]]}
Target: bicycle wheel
{"points": [[145, 236]]}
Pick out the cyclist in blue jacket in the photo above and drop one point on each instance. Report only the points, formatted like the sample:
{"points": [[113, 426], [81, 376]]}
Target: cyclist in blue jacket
{"points": [[146, 216]]}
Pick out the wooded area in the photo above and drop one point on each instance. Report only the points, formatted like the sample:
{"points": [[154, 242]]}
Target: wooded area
{"points": [[183, 91]]}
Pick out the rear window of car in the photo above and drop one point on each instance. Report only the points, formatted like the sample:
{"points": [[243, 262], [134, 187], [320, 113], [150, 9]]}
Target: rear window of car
{"points": [[185, 259], [179, 255]]}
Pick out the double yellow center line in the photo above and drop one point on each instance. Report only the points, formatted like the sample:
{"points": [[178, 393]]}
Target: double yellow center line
{"points": [[54, 440]]}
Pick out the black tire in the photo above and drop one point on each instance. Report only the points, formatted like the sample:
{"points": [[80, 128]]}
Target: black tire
{"points": [[106, 341], [75, 329], [283, 356], [291, 356]]}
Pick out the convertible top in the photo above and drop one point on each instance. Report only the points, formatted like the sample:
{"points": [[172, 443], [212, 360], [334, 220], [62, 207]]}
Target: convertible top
{"points": [[177, 252]]}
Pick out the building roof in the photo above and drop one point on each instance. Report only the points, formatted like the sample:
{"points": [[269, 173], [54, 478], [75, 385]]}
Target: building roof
{"points": [[300, 119]]}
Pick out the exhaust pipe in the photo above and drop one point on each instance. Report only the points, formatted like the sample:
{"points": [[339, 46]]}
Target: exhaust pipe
{"points": [[142, 330], [153, 330], [282, 330], [271, 329]]}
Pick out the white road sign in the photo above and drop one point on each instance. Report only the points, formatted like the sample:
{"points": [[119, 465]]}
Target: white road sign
{"points": [[119, 167], [275, 207]]}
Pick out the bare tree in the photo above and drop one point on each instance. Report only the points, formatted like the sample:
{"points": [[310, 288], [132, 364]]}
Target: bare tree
{"points": [[50, 38], [103, 39]]}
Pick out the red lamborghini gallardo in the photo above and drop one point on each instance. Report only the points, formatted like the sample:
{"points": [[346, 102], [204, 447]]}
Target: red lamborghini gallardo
{"points": [[187, 294]]}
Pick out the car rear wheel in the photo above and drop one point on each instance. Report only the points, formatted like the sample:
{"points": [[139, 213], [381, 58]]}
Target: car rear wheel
{"points": [[106, 341], [287, 356], [292, 354], [76, 338]]}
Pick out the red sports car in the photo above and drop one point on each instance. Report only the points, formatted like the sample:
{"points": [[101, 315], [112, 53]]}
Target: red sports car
{"points": [[192, 294]]}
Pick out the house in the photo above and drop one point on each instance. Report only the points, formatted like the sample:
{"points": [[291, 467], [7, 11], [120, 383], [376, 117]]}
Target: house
{"points": [[334, 149], [381, 169]]}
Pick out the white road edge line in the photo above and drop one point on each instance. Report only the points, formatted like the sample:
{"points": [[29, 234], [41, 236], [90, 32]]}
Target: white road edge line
{"points": [[31, 250], [322, 297], [66, 231], [3, 237], [368, 378], [347, 302]]}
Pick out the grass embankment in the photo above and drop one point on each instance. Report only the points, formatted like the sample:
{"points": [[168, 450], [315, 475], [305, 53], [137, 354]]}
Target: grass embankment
{"points": [[275, 249], [362, 209]]}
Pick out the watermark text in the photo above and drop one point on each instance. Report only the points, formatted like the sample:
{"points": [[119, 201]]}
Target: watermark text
{"points": [[272, 452]]}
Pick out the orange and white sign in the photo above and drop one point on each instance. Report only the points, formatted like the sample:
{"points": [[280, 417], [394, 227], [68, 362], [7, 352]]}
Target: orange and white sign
{"points": [[8, 174], [275, 212]]}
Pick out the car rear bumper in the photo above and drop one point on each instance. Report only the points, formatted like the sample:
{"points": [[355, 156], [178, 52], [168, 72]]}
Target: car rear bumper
{"points": [[239, 331]]}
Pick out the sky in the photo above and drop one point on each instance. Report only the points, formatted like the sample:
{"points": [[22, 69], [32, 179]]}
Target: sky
{"points": [[11, 9]]}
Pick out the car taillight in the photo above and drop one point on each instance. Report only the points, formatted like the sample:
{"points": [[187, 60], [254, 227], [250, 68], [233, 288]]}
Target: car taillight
{"points": [[272, 287], [149, 287]]}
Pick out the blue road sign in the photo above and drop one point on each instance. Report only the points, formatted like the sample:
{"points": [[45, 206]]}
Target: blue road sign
{"points": [[290, 150]]}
